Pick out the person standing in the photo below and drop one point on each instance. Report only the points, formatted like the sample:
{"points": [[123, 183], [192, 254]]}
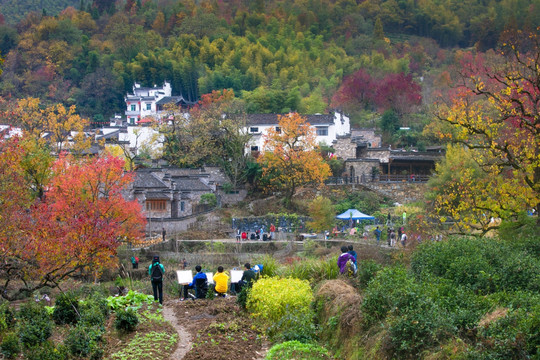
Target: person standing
{"points": [[378, 233], [403, 239], [156, 271], [392, 238], [404, 218], [222, 281], [135, 262], [272, 231], [163, 233], [353, 253]]}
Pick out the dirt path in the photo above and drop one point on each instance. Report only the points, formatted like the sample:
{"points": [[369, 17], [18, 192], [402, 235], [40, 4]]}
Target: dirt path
{"points": [[184, 337]]}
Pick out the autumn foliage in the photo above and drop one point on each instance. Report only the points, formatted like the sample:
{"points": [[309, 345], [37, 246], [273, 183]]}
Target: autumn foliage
{"points": [[290, 158], [74, 229], [494, 113]]}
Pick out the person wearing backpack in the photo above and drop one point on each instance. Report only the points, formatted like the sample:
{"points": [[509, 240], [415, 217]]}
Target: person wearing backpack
{"points": [[156, 271], [344, 259]]}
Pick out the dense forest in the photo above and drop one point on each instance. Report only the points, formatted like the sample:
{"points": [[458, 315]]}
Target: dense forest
{"points": [[277, 56]]}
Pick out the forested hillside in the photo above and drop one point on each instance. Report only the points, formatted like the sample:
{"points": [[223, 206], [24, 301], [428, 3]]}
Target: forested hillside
{"points": [[277, 56], [15, 10]]}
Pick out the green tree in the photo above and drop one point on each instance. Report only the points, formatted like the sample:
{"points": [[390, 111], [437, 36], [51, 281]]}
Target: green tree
{"points": [[323, 214]]}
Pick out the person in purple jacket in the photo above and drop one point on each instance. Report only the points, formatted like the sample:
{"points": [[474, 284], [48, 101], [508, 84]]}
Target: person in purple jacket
{"points": [[343, 259]]}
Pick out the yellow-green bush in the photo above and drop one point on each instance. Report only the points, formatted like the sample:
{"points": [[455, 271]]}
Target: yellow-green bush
{"points": [[282, 304]]}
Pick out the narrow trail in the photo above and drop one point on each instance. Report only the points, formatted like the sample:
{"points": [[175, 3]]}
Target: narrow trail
{"points": [[184, 337]]}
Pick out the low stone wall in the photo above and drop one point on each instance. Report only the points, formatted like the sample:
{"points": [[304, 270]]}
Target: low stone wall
{"points": [[402, 192]]}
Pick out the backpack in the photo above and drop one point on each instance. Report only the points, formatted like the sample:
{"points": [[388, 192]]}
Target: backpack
{"points": [[157, 274]]}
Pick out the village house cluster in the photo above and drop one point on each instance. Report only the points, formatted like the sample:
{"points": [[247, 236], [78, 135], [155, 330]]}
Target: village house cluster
{"points": [[171, 197]]}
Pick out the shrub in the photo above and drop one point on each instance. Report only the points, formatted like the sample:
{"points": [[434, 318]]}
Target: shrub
{"points": [[47, 351], [126, 320], [7, 316], [270, 265], [312, 270], [419, 327], [385, 291], [280, 303], [35, 326], [242, 297], [92, 315], [297, 350], [66, 309], [83, 341], [484, 266], [10, 346], [367, 270], [209, 199]]}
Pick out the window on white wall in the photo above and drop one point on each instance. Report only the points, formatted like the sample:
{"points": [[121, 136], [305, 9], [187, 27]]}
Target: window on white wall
{"points": [[322, 130], [254, 148], [148, 106], [278, 129], [253, 129], [133, 107]]}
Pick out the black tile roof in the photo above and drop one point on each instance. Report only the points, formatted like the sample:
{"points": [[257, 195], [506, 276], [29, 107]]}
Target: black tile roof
{"points": [[271, 119], [190, 184], [148, 181]]}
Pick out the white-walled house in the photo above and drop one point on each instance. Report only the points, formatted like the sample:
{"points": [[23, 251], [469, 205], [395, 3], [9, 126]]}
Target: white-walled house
{"points": [[147, 102], [328, 127], [142, 102]]}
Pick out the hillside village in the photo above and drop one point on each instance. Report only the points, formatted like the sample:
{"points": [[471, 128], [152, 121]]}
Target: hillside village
{"points": [[269, 180]]}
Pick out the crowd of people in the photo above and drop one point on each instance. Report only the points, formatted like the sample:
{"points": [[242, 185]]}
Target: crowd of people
{"points": [[258, 234], [200, 284]]}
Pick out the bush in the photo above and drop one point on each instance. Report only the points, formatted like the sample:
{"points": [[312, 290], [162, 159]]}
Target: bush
{"points": [[280, 303], [298, 351], [66, 309], [47, 351], [367, 270], [242, 297], [83, 341], [7, 316], [419, 327], [92, 315], [126, 320], [35, 326], [390, 287], [313, 270], [10, 346], [270, 265], [484, 266]]}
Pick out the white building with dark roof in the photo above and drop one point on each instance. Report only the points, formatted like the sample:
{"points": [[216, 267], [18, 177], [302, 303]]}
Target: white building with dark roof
{"points": [[147, 102], [328, 127]]}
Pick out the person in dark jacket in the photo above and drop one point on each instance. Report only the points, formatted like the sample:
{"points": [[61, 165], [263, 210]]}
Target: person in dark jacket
{"points": [[248, 277], [156, 271], [199, 283]]}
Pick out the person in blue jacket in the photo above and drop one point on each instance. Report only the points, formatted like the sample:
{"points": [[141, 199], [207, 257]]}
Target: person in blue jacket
{"points": [[156, 271], [199, 283]]}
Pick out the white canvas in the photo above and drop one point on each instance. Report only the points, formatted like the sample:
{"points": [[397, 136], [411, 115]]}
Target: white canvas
{"points": [[184, 276], [236, 275]]}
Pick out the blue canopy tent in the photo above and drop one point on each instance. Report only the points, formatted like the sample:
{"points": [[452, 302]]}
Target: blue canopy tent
{"points": [[353, 214]]}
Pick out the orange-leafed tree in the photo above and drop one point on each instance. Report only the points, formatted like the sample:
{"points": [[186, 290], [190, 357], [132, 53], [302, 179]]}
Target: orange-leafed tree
{"points": [[75, 229], [291, 159]]}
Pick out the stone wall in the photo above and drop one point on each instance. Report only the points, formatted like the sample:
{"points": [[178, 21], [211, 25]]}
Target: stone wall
{"points": [[344, 148], [401, 192]]}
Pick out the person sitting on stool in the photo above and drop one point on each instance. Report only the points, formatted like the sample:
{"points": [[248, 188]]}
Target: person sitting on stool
{"points": [[199, 283], [221, 280]]}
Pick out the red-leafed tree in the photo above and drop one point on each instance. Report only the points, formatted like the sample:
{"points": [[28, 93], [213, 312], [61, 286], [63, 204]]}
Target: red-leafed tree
{"points": [[356, 92], [398, 92], [75, 229]]}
